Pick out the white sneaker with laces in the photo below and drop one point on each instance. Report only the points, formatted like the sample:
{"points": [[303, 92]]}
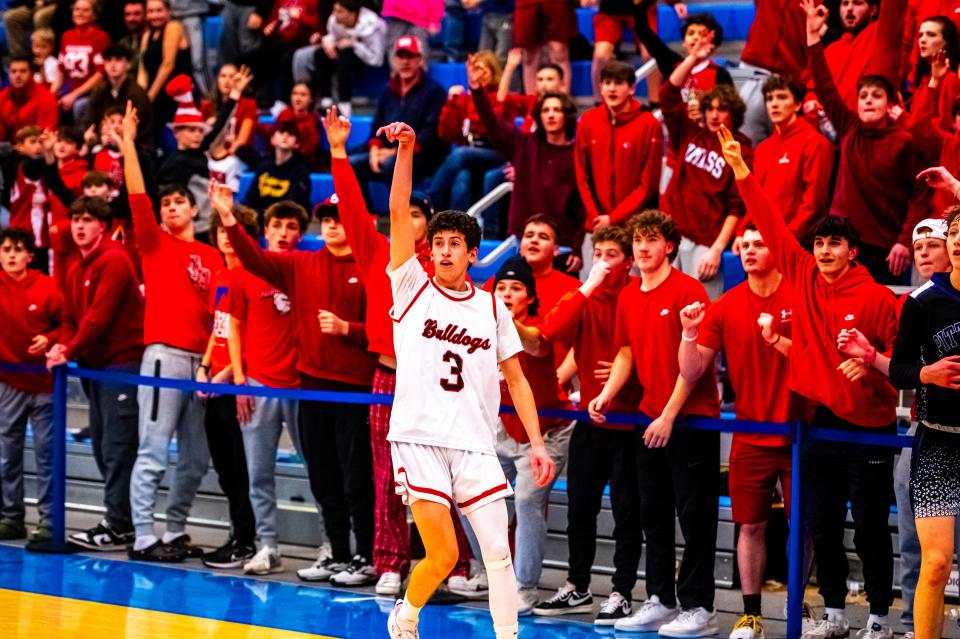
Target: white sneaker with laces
{"points": [[697, 622], [529, 598], [616, 607], [648, 618], [393, 626], [875, 631], [389, 584], [827, 628], [359, 572], [266, 561], [471, 588], [908, 634], [323, 568]]}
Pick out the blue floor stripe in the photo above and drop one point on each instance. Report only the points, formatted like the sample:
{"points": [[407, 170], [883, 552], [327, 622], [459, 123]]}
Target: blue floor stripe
{"points": [[309, 609]]}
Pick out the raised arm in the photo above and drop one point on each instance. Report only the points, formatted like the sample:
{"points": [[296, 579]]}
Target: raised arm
{"points": [[145, 227], [824, 84], [500, 133], [402, 239], [693, 358]]}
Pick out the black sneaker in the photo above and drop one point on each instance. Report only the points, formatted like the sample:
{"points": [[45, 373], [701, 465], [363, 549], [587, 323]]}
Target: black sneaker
{"points": [[11, 529], [102, 537], [359, 572], [230, 555], [183, 543], [158, 552], [567, 601], [615, 607]]}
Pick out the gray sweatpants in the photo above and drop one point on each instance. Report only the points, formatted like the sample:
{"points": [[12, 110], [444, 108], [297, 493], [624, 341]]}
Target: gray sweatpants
{"points": [[16, 408], [164, 412], [260, 439], [688, 257]]}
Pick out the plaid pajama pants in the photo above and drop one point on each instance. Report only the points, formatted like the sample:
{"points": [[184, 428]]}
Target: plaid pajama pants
{"points": [[391, 538]]}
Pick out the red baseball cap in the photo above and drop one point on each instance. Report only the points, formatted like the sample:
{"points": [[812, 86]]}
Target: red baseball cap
{"points": [[408, 44]]}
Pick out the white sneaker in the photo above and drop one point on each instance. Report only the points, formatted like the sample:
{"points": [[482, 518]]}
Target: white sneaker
{"points": [[692, 623], [472, 588], [529, 598], [828, 628], [323, 568], [908, 634], [648, 618], [359, 572], [345, 109], [748, 627], [266, 561], [876, 631], [615, 608], [394, 629], [389, 584]]}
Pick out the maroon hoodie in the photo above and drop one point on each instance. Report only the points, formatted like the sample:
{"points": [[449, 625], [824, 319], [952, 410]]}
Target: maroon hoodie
{"points": [[103, 322], [821, 310], [29, 307], [316, 281], [876, 186]]}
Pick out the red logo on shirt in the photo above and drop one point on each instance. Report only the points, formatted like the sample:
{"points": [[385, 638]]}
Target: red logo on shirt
{"points": [[199, 275], [455, 335]]}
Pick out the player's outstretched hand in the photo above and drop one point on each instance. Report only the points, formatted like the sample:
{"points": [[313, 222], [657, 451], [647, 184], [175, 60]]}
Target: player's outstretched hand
{"points": [[541, 465], [337, 128], [221, 199], [398, 132], [130, 122], [853, 343], [732, 153]]}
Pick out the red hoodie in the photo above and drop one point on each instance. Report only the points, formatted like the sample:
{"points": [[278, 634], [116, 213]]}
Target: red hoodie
{"points": [[588, 323], [917, 12], [949, 91], [876, 186], [372, 253], [460, 123], [701, 193], [820, 311], [33, 104], [29, 307], [316, 281], [103, 322], [777, 38], [618, 162], [794, 166], [306, 123], [939, 148]]}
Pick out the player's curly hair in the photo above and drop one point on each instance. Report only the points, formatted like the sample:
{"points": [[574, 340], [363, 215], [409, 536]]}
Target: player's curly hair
{"points": [[727, 100], [246, 217], [653, 222], [458, 222]]}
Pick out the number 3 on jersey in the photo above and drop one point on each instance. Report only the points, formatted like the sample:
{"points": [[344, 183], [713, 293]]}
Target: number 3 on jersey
{"points": [[453, 382]]}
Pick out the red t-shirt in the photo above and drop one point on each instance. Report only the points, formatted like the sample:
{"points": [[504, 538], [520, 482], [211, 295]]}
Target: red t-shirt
{"points": [[759, 374], [81, 54], [220, 307], [178, 282], [268, 333], [111, 163], [246, 110], [649, 323]]}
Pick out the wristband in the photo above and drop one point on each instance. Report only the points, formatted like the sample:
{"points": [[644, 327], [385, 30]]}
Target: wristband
{"points": [[776, 341], [870, 359], [690, 339], [205, 367]]}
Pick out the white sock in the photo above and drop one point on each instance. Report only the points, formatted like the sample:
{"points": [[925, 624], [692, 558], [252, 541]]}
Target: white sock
{"points": [[169, 537], [408, 616], [144, 542], [506, 632], [877, 619], [835, 614]]}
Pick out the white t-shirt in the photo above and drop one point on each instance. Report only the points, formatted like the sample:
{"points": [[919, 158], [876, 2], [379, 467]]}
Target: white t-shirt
{"points": [[449, 345]]}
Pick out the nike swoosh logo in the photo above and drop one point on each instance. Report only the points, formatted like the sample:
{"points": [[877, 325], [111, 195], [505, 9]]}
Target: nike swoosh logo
{"points": [[577, 602]]}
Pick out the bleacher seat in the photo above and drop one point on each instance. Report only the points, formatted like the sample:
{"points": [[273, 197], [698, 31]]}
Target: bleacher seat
{"points": [[449, 73], [212, 32], [734, 17], [321, 186]]}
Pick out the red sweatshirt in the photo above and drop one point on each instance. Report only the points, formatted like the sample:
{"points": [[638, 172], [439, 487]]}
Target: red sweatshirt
{"points": [[103, 322], [794, 166], [268, 332], [777, 38], [372, 253], [33, 104], [949, 91], [876, 186], [649, 323], [30, 203], [588, 324], [459, 121], [316, 281], [917, 12], [820, 311], [309, 129], [542, 375], [618, 161], [939, 148], [178, 278], [29, 307], [81, 52], [701, 193]]}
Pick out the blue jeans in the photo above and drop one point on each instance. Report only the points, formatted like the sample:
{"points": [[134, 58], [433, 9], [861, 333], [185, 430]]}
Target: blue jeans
{"points": [[494, 218], [260, 437], [909, 542], [454, 30], [453, 182]]}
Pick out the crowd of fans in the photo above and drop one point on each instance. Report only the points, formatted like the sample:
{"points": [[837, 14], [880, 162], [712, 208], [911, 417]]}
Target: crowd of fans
{"points": [[122, 148]]}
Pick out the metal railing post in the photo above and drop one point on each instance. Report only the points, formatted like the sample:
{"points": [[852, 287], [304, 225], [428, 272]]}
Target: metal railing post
{"points": [[796, 581]]}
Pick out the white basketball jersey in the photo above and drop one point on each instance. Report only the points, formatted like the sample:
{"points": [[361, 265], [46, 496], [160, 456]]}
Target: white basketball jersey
{"points": [[449, 345]]}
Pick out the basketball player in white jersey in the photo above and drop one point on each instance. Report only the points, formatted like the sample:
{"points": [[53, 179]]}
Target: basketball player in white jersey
{"points": [[450, 338]]}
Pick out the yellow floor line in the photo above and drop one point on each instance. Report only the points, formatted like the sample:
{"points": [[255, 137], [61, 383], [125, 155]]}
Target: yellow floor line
{"points": [[25, 615]]}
